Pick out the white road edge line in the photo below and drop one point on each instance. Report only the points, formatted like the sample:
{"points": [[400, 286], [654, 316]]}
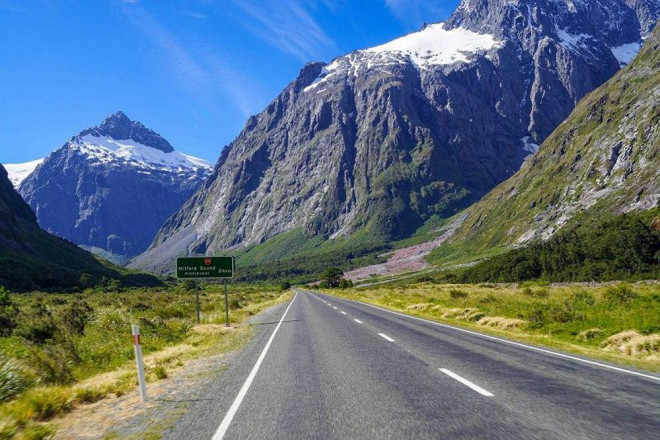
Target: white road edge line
{"points": [[358, 321], [222, 429], [506, 341], [383, 335], [466, 382]]}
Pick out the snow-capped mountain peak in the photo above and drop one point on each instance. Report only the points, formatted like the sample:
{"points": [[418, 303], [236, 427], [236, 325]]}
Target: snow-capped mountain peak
{"points": [[431, 46], [120, 142], [105, 150], [111, 186], [118, 126]]}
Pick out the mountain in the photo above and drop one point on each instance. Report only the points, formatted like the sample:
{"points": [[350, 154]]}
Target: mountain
{"points": [[110, 187], [31, 258], [603, 160], [381, 140]]}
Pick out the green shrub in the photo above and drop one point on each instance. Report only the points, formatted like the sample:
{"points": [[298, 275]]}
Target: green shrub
{"points": [[88, 395], [345, 284], [582, 297], [621, 294], [424, 279], [332, 276], [36, 324], [8, 311], [51, 363], [5, 299], [539, 293], [234, 304], [285, 285], [13, 379], [75, 316], [537, 316], [41, 404], [488, 299], [8, 428], [560, 314], [457, 294], [160, 372], [34, 431]]}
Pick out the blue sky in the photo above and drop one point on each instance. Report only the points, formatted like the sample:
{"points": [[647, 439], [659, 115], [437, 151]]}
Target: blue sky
{"points": [[192, 70]]}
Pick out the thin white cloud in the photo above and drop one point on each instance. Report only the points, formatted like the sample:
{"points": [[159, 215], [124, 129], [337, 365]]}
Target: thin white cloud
{"points": [[194, 14], [200, 71], [288, 26], [184, 64], [414, 13]]}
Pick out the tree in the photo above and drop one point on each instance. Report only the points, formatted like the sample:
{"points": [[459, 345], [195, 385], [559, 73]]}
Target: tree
{"points": [[332, 276]]}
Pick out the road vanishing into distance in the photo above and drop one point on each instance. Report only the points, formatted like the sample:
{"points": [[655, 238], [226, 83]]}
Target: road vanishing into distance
{"points": [[323, 367]]}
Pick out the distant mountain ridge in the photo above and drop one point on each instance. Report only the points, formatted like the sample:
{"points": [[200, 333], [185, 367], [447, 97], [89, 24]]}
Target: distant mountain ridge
{"points": [[380, 140], [110, 187]]}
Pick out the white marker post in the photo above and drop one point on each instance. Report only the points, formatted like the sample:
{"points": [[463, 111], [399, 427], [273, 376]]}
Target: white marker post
{"points": [[137, 346]]}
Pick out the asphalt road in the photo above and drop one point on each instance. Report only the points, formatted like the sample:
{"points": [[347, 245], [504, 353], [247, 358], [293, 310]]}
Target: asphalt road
{"points": [[323, 367]]}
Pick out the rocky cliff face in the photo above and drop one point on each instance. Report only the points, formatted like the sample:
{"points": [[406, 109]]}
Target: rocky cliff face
{"points": [[604, 158], [110, 187], [381, 139]]}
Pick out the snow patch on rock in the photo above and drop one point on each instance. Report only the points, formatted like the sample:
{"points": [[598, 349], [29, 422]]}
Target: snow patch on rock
{"points": [[434, 45], [106, 150], [18, 172], [431, 46]]}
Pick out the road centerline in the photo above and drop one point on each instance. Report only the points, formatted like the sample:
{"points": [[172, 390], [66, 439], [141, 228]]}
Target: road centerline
{"points": [[358, 321], [226, 421], [384, 336], [467, 383], [509, 342]]}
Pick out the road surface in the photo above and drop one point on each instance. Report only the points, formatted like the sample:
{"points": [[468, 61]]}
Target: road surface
{"points": [[324, 367]]}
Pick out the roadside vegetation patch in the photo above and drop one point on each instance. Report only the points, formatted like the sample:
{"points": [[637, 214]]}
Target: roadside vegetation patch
{"points": [[614, 321], [60, 351], [632, 343], [502, 323]]}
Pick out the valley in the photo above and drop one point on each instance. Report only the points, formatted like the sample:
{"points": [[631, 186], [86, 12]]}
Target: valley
{"points": [[447, 230]]}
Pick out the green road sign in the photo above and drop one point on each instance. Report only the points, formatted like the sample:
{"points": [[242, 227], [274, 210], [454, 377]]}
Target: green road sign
{"points": [[205, 267]]}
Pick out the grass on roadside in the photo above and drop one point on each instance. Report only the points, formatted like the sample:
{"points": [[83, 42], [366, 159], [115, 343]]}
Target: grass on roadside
{"points": [[62, 351], [618, 323]]}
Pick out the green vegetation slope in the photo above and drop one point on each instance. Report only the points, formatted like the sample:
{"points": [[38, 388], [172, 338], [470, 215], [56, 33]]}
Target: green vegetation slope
{"points": [[605, 158], [31, 258]]}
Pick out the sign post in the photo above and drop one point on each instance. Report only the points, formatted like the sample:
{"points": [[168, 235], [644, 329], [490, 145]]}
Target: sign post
{"points": [[137, 347], [205, 268], [226, 307], [199, 312]]}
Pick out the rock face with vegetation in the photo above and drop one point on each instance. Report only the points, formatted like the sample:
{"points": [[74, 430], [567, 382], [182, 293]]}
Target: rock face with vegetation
{"points": [[111, 187], [380, 140], [605, 158], [31, 258]]}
